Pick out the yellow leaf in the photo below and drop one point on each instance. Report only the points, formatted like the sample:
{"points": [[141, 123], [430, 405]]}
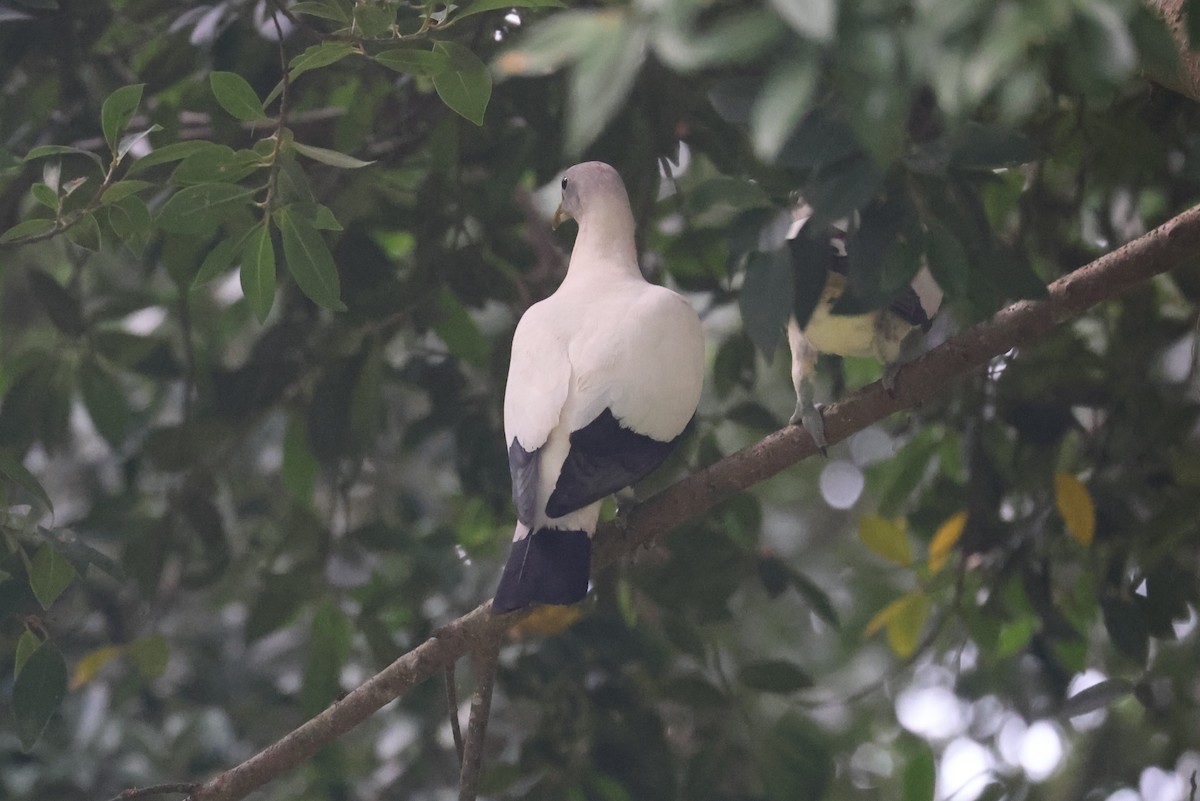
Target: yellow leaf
{"points": [[904, 630], [888, 538], [947, 536], [1076, 507], [546, 620], [91, 664]]}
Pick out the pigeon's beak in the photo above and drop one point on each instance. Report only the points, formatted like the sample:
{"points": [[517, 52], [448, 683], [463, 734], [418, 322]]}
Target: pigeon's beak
{"points": [[560, 216]]}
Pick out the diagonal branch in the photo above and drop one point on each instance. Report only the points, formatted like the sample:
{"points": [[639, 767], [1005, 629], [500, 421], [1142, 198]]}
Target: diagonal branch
{"points": [[1106, 278]]}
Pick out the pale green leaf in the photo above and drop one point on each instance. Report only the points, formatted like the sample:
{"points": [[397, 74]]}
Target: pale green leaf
{"points": [[466, 85], [117, 110]]}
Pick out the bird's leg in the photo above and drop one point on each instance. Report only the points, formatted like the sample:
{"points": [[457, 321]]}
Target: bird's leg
{"points": [[804, 361], [909, 347]]}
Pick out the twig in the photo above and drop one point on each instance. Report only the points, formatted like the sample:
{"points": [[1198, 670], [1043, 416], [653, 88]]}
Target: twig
{"points": [[452, 708], [486, 663], [1105, 278], [157, 789]]}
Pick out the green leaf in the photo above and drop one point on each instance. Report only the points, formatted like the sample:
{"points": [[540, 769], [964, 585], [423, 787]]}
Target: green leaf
{"points": [[563, 37], [236, 96], [794, 761], [844, 187], [86, 233], [458, 330], [49, 575], [129, 142], [466, 85], [122, 189], [781, 104], [15, 472], [331, 157], [766, 298], [414, 62], [774, 676], [317, 56], [815, 597], [201, 209], [45, 194], [168, 153], [105, 401], [42, 151], [116, 112], [694, 691], [1098, 696], [328, 647], [38, 692], [976, 146], [27, 643], [62, 307], [129, 219], [216, 164], [888, 538], [327, 10], [480, 6], [919, 776], [258, 270], [150, 654], [29, 228], [812, 19], [221, 258], [309, 260], [947, 258]]}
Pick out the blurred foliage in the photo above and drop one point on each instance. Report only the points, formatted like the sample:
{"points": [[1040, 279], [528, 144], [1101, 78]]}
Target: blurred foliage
{"points": [[260, 266]]}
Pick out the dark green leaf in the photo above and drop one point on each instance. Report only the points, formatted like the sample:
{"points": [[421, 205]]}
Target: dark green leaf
{"points": [[27, 643], [466, 85], [122, 189], [29, 228], [919, 776], [38, 692], [766, 298], [49, 575], [324, 10], [62, 150], [374, 20], [129, 219], [695, 691], [774, 676], [947, 259], [201, 209], [480, 6], [45, 195], [221, 258], [116, 112], [258, 270], [816, 598], [1098, 696], [309, 260], [62, 307], [794, 761], [414, 62], [172, 152], [15, 472], [216, 164], [281, 597], [317, 56], [236, 96], [330, 157], [328, 647], [105, 401], [976, 146], [86, 233], [844, 186], [299, 465]]}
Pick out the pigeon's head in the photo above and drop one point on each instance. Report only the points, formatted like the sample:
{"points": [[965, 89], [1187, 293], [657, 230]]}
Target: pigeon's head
{"points": [[591, 185]]}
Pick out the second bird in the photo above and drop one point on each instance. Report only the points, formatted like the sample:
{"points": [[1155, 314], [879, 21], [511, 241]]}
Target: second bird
{"points": [[605, 375]]}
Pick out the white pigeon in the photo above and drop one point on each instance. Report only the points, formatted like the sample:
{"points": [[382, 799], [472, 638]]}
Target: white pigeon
{"points": [[888, 333], [605, 376]]}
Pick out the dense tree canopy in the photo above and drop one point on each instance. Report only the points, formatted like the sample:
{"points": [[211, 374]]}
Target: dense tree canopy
{"points": [[260, 265]]}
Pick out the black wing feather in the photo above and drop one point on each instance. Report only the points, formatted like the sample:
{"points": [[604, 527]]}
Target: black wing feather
{"points": [[907, 306], [523, 467], [604, 457]]}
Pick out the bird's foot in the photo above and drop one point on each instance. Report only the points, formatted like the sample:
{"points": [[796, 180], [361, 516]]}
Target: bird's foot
{"points": [[808, 414], [890, 371]]}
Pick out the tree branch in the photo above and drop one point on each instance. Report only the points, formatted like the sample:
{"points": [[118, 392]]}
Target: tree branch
{"points": [[486, 661], [1107, 277]]}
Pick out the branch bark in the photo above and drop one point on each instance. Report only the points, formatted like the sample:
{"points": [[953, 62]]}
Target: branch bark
{"points": [[1107, 277]]}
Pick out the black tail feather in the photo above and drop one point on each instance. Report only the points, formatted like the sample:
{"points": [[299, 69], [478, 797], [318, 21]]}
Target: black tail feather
{"points": [[547, 567]]}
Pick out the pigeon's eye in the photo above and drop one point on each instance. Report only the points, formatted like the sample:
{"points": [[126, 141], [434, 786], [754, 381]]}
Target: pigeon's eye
{"points": [[564, 183]]}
